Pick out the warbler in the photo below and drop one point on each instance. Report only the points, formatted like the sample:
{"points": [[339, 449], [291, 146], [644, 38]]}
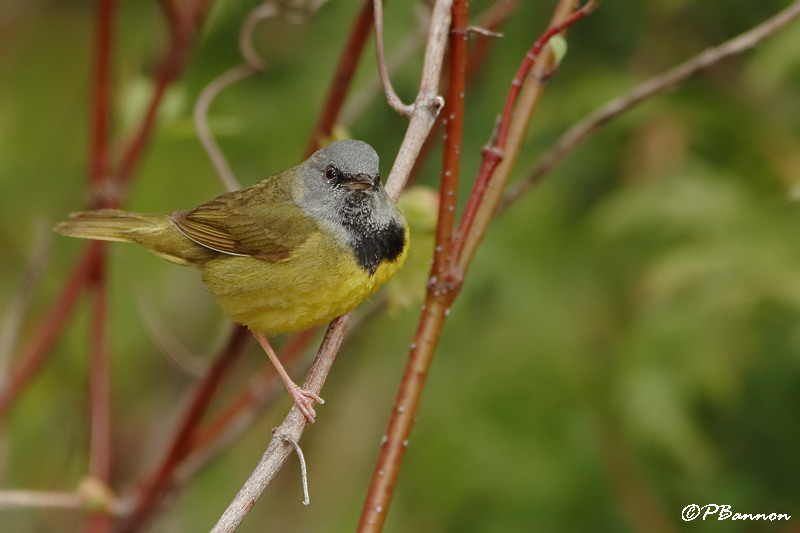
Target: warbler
{"points": [[293, 251]]}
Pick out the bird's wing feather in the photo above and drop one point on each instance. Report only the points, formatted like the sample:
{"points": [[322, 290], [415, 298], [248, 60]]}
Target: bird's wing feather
{"points": [[261, 221]]}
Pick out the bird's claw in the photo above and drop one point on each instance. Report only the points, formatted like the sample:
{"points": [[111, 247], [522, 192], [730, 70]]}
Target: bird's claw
{"points": [[304, 399]]}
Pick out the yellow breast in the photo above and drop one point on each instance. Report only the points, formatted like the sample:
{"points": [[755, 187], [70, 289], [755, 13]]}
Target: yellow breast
{"points": [[320, 281]]}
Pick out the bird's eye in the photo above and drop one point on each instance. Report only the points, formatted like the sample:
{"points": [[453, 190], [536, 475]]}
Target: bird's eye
{"points": [[331, 172]]}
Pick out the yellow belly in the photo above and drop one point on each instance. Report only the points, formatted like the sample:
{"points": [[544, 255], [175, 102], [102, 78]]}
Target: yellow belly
{"points": [[320, 281]]}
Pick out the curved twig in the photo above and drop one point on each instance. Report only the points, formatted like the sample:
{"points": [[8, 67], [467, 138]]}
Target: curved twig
{"points": [[391, 96]]}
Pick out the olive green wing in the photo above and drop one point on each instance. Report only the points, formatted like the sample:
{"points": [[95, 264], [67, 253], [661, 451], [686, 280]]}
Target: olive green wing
{"points": [[261, 221]]}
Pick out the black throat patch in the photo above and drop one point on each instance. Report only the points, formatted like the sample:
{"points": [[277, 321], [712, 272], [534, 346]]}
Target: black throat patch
{"points": [[373, 244]]}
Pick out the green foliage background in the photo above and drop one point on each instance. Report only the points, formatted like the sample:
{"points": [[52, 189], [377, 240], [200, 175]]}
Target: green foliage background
{"points": [[628, 338]]}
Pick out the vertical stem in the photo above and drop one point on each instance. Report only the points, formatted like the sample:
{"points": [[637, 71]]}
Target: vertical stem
{"points": [[99, 366], [442, 290], [454, 123], [101, 94], [395, 441], [99, 392]]}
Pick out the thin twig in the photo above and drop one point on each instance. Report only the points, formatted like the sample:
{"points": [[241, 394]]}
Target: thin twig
{"points": [[101, 97], [527, 64], [428, 103], [246, 41], [400, 55], [204, 133], [293, 427], [40, 499], [391, 96], [303, 470], [587, 126]]}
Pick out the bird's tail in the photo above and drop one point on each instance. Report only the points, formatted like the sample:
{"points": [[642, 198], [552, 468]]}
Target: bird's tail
{"points": [[112, 225], [154, 232]]}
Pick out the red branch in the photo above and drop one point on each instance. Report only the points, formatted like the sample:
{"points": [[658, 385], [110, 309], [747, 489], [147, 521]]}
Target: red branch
{"points": [[453, 114], [152, 489], [492, 155], [99, 387], [188, 25], [442, 289], [100, 391], [527, 63], [343, 76], [101, 94], [38, 348]]}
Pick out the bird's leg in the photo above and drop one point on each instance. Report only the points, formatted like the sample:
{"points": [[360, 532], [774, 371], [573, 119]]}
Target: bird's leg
{"points": [[304, 399]]}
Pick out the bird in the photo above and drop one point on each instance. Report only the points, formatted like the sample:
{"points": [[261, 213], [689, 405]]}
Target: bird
{"points": [[290, 252]]}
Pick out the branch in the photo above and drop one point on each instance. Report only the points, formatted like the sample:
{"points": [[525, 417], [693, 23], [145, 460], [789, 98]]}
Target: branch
{"points": [[451, 166], [204, 133], [292, 428], [589, 125], [99, 364]]}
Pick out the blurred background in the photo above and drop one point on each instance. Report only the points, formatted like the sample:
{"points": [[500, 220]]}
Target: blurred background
{"points": [[627, 341]]}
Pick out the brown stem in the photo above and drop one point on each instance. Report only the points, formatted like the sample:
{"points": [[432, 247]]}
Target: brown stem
{"points": [[527, 64], [99, 365], [384, 476], [99, 392], [454, 125], [101, 94], [442, 289]]}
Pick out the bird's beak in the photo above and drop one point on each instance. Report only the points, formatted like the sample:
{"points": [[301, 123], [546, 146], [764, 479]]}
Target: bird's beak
{"points": [[362, 182]]}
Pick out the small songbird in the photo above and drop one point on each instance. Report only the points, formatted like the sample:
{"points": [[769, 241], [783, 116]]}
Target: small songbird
{"points": [[293, 251]]}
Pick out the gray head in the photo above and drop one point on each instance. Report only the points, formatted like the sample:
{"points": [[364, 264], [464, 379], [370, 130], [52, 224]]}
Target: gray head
{"points": [[340, 178], [343, 191]]}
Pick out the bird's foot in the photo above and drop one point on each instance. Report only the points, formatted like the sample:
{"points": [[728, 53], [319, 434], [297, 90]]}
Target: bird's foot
{"points": [[304, 399]]}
